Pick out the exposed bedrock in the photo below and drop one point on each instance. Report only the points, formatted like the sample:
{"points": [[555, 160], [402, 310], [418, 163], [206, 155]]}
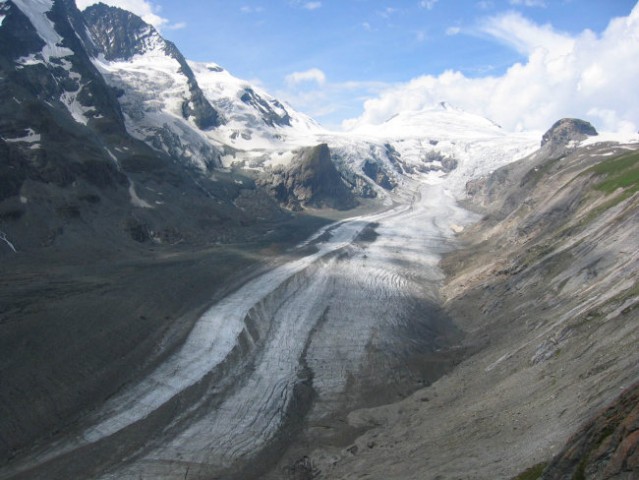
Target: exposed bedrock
{"points": [[311, 180]]}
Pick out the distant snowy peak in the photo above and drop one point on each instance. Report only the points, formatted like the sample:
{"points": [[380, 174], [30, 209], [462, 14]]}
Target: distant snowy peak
{"points": [[447, 140], [246, 106], [214, 98], [159, 94], [437, 121], [189, 110], [122, 36]]}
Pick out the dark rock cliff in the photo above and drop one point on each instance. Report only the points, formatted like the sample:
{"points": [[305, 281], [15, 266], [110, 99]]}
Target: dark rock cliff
{"points": [[311, 180], [568, 130]]}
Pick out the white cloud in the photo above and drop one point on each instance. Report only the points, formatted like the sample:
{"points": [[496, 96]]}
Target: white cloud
{"points": [[311, 75], [250, 9], [176, 26], [307, 5], [312, 5], [485, 5], [387, 12], [451, 31], [529, 3], [525, 36], [328, 101], [143, 8], [427, 4], [589, 76]]}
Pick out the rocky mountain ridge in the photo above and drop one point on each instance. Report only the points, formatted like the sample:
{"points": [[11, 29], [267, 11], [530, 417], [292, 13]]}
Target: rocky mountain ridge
{"points": [[70, 157]]}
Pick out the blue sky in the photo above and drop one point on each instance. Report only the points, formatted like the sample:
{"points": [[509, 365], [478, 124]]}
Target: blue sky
{"points": [[327, 57]]}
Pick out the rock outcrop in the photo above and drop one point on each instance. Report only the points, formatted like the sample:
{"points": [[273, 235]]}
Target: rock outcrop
{"points": [[376, 172], [565, 134], [568, 130], [311, 180]]}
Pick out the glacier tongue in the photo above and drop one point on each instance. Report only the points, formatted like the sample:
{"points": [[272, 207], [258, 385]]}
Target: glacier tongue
{"points": [[333, 322], [315, 321]]}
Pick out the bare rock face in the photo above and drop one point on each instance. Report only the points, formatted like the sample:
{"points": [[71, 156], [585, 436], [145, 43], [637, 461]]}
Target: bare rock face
{"points": [[311, 180], [376, 172], [271, 116], [607, 447], [565, 132]]}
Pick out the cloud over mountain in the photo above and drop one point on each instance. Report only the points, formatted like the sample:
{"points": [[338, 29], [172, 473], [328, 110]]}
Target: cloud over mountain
{"points": [[587, 75]]}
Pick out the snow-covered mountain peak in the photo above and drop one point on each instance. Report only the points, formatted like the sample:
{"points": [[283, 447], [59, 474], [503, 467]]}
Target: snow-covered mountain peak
{"points": [[254, 118], [439, 121], [446, 140], [161, 99], [191, 111]]}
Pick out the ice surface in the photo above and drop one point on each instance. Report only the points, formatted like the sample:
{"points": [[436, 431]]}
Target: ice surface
{"points": [[354, 294], [325, 308], [210, 342]]}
